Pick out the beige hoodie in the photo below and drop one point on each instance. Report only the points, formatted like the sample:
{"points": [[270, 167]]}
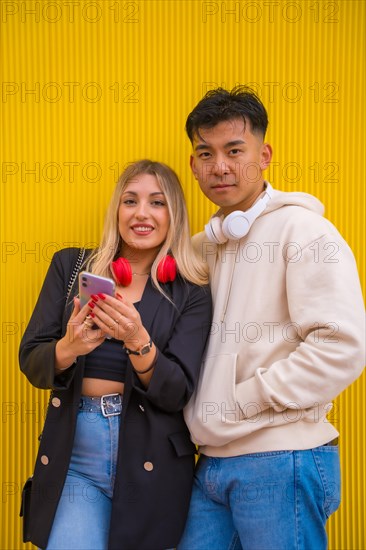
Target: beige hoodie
{"points": [[287, 333]]}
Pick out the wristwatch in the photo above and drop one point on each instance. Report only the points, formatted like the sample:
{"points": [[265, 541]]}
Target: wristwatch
{"points": [[142, 350]]}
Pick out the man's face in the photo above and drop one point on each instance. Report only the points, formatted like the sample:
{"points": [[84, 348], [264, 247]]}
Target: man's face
{"points": [[228, 161]]}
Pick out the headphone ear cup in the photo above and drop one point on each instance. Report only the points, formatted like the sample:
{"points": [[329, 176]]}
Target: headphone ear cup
{"points": [[214, 230], [167, 269], [122, 271], [236, 225]]}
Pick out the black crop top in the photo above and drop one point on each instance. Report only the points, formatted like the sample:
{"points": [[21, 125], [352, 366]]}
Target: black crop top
{"points": [[108, 361]]}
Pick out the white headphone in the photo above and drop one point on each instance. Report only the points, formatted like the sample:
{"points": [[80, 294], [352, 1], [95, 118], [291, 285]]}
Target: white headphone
{"points": [[237, 224]]}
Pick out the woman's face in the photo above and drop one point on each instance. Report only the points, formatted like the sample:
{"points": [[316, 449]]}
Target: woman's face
{"points": [[143, 216]]}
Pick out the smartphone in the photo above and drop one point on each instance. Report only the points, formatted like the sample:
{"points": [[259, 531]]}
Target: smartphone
{"points": [[93, 284]]}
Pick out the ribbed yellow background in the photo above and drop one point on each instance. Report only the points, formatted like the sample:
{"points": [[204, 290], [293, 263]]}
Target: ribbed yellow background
{"points": [[91, 85]]}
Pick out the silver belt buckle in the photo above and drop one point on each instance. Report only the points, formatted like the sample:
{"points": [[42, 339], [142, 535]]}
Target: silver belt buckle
{"points": [[108, 407]]}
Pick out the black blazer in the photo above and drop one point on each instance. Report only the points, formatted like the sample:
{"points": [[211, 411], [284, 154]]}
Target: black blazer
{"points": [[149, 507]]}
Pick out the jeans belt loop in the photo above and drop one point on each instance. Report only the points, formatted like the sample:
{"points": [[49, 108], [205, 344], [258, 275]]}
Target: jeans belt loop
{"points": [[111, 404]]}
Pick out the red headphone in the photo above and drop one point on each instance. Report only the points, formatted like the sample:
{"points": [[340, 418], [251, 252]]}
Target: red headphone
{"points": [[122, 270]]}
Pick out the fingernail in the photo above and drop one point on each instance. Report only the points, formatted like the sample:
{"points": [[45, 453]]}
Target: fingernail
{"points": [[101, 296], [94, 297], [91, 304], [92, 315], [119, 296]]}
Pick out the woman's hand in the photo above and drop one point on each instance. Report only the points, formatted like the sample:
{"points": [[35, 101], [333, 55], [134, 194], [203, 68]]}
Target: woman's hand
{"points": [[119, 318], [80, 338]]}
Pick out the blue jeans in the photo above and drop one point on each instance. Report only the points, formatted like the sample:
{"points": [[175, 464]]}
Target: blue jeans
{"points": [[263, 501], [83, 514]]}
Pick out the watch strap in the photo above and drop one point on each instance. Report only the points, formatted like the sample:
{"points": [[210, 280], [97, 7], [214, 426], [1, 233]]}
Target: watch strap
{"points": [[142, 350], [148, 368]]}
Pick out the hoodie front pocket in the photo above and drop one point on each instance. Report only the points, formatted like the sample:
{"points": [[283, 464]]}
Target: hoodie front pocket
{"points": [[213, 414]]}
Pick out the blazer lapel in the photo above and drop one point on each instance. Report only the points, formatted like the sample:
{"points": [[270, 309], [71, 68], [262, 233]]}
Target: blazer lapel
{"points": [[149, 304]]}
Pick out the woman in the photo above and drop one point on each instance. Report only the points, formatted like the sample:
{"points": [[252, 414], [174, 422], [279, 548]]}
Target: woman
{"points": [[115, 464]]}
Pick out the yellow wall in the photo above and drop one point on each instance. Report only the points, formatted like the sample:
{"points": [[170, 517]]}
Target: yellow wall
{"points": [[91, 85]]}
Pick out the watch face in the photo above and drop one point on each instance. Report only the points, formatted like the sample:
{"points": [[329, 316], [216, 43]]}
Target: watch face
{"points": [[145, 349]]}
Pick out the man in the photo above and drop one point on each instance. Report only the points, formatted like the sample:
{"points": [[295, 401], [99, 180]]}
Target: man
{"points": [[287, 337]]}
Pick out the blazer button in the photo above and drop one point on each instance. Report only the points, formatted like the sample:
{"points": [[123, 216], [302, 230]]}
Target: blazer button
{"points": [[45, 460], [56, 402], [149, 466]]}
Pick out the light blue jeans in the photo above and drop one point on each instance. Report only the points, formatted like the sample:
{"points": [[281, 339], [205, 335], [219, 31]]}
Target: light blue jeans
{"points": [[263, 501], [83, 514]]}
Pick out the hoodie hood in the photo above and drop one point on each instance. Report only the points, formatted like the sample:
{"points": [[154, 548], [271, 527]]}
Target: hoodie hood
{"points": [[281, 198], [278, 200]]}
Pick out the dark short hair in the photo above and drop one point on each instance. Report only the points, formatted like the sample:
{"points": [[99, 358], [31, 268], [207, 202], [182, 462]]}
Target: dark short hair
{"points": [[219, 105]]}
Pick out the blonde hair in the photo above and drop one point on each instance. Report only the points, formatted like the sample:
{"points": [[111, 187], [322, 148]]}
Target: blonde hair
{"points": [[178, 240]]}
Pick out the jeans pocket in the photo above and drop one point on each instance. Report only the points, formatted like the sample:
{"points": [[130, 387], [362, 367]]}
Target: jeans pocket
{"points": [[327, 462]]}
